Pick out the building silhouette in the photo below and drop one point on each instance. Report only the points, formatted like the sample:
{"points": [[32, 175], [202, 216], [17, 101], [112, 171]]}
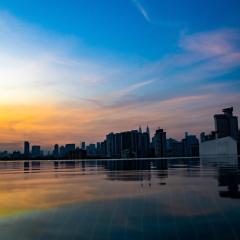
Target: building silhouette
{"points": [[226, 124], [134, 143], [36, 151], [56, 151], [190, 145], [26, 149], [137, 144], [225, 139], [174, 148], [160, 143], [83, 146], [91, 150]]}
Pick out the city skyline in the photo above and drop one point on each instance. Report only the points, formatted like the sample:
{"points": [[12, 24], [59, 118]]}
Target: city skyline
{"points": [[78, 142], [140, 143], [77, 70]]}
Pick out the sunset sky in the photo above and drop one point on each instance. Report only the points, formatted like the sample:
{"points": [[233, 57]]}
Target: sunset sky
{"points": [[77, 70]]}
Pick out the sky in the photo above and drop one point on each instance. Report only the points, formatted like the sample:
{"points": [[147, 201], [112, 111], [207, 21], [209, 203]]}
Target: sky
{"points": [[73, 71]]}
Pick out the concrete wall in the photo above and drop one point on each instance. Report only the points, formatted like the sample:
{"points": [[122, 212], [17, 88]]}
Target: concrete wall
{"points": [[220, 146]]}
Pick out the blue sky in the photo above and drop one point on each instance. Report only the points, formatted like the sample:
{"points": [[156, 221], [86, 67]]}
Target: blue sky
{"points": [[116, 64], [120, 26]]}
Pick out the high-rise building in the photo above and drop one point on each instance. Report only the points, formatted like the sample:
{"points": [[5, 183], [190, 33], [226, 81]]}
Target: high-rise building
{"points": [[190, 145], [226, 124], [104, 148], [70, 147], [110, 138], [145, 148], [98, 151], [225, 139], [160, 143], [118, 145], [174, 148], [26, 149], [56, 151], [62, 151], [91, 149], [36, 151], [83, 146]]}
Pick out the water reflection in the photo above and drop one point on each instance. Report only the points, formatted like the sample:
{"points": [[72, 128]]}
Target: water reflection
{"points": [[168, 198], [26, 166], [229, 178]]}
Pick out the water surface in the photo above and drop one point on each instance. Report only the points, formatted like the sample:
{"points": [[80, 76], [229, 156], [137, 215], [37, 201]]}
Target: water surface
{"points": [[134, 199]]}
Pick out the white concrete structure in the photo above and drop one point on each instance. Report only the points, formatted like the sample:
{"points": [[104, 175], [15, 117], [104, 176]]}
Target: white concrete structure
{"points": [[220, 146]]}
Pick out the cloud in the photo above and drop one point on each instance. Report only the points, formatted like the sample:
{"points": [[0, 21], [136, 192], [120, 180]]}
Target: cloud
{"points": [[213, 43], [142, 10]]}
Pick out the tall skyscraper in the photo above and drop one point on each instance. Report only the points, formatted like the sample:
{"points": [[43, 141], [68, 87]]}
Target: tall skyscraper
{"points": [[36, 151], [26, 149], [83, 146], [69, 148], [160, 143], [226, 124], [110, 138], [190, 145], [104, 148], [56, 151], [98, 148]]}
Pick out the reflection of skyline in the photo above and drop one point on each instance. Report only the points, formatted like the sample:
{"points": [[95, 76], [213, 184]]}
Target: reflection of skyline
{"points": [[228, 174], [44, 185], [230, 179]]}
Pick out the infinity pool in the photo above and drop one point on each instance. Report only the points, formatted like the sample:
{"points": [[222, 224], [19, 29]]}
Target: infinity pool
{"points": [[128, 199]]}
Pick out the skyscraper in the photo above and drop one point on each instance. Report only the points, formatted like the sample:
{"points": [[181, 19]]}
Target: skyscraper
{"points": [[83, 146], [69, 148], [225, 139], [110, 138], [226, 124], [190, 145], [56, 151], [26, 149], [160, 143], [36, 151], [146, 143]]}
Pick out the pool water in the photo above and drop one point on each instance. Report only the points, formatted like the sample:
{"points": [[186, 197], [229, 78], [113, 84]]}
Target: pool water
{"points": [[128, 199]]}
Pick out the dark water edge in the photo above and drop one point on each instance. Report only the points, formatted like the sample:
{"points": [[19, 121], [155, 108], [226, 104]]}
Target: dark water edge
{"points": [[129, 199]]}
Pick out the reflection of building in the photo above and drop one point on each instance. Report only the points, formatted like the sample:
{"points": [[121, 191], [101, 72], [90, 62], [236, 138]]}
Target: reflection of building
{"points": [[36, 165], [224, 140], [26, 166], [162, 167], [231, 180], [128, 170]]}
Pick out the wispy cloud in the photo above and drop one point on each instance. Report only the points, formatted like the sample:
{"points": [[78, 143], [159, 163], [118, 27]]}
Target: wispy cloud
{"points": [[211, 43], [142, 10], [127, 90]]}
